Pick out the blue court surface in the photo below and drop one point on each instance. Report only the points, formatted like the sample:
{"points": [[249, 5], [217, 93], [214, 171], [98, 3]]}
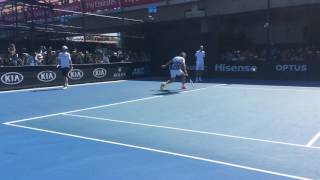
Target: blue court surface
{"points": [[129, 130]]}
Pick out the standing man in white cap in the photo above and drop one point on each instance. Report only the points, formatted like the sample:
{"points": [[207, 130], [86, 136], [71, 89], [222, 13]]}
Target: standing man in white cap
{"points": [[200, 55], [65, 64]]}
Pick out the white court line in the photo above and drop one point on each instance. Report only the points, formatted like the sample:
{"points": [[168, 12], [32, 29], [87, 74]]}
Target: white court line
{"points": [[56, 87], [98, 107], [192, 131], [271, 88], [314, 140], [166, 152], [84, 109]]}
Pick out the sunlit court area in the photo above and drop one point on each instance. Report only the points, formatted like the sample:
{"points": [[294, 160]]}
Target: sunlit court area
{"points": [[159, 90]]}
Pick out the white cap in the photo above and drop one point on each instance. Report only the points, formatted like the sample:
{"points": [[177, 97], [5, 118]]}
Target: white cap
{"points": [[64, 47]]}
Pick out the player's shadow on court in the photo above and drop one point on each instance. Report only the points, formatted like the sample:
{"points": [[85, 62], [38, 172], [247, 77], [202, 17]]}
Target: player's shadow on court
{"points": [[166, 92], [51, 89]]}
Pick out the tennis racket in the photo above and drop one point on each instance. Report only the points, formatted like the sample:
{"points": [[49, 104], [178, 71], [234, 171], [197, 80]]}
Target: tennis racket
{"points": [[191, 82]]}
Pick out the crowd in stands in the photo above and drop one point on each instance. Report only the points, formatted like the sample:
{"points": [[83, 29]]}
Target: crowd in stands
{"points": [[48, 56], [99, 55], [276, 54]]}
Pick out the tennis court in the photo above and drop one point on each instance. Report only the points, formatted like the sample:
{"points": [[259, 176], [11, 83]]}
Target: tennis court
{"points": [[131, 130]]}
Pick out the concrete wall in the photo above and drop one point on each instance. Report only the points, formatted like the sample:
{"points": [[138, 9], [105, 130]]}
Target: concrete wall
{"points": [[215, 7], [288, 24], [183, 9], [176, 9]]}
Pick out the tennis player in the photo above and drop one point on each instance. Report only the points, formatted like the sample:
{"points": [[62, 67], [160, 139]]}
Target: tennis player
{"points": [[200, 55], [65, 64], [177, 68]]}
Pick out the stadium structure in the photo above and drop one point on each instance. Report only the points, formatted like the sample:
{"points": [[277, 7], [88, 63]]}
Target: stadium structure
{"points": [[169, 25]]}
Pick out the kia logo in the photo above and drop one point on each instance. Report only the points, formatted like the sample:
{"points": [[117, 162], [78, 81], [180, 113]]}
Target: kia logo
{"points": [[75, 74], [46, 76], [12, 78], [99, 72]]}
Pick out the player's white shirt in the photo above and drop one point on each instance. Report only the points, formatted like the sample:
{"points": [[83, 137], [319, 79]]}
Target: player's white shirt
{"points": [[176, 66], [177, 63], [64, 58], [200, 55]]}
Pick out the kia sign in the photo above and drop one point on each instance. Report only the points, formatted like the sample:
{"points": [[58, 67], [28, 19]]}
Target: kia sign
{"points": [[46, 76], [75, 74], [43, 76], [12, 78], [100, 73]]}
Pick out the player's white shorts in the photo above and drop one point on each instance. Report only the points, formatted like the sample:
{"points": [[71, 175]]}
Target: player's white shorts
{"points": [[200, 66], [175, 73]]}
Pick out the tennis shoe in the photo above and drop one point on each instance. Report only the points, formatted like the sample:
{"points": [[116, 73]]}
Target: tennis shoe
{"points": [[162, 86]]}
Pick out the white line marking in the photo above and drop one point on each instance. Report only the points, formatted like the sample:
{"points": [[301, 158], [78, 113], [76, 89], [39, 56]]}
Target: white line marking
{"points": [[98, 107], [314, 140], [85, 109], [272, 88], [166, 152], [56, 87], [192, 131]]}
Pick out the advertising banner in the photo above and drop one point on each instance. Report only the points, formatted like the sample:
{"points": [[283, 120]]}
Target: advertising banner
{"points": [[44, 76], [263, 70]]}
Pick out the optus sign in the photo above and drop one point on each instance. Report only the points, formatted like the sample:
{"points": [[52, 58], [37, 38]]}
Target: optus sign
{"points": [[292, 68]]}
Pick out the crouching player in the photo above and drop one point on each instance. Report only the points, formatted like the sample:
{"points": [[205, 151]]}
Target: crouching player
{"points": [[177, 67]]}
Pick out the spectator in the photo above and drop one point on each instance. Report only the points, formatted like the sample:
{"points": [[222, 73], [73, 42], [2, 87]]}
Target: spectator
{"points": [[1, 61], [51, 57], [48, 56], [88, 58], [77, 57], [27, 59], [105, 59], [13, 58], [39, 59], [114, 58]]}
